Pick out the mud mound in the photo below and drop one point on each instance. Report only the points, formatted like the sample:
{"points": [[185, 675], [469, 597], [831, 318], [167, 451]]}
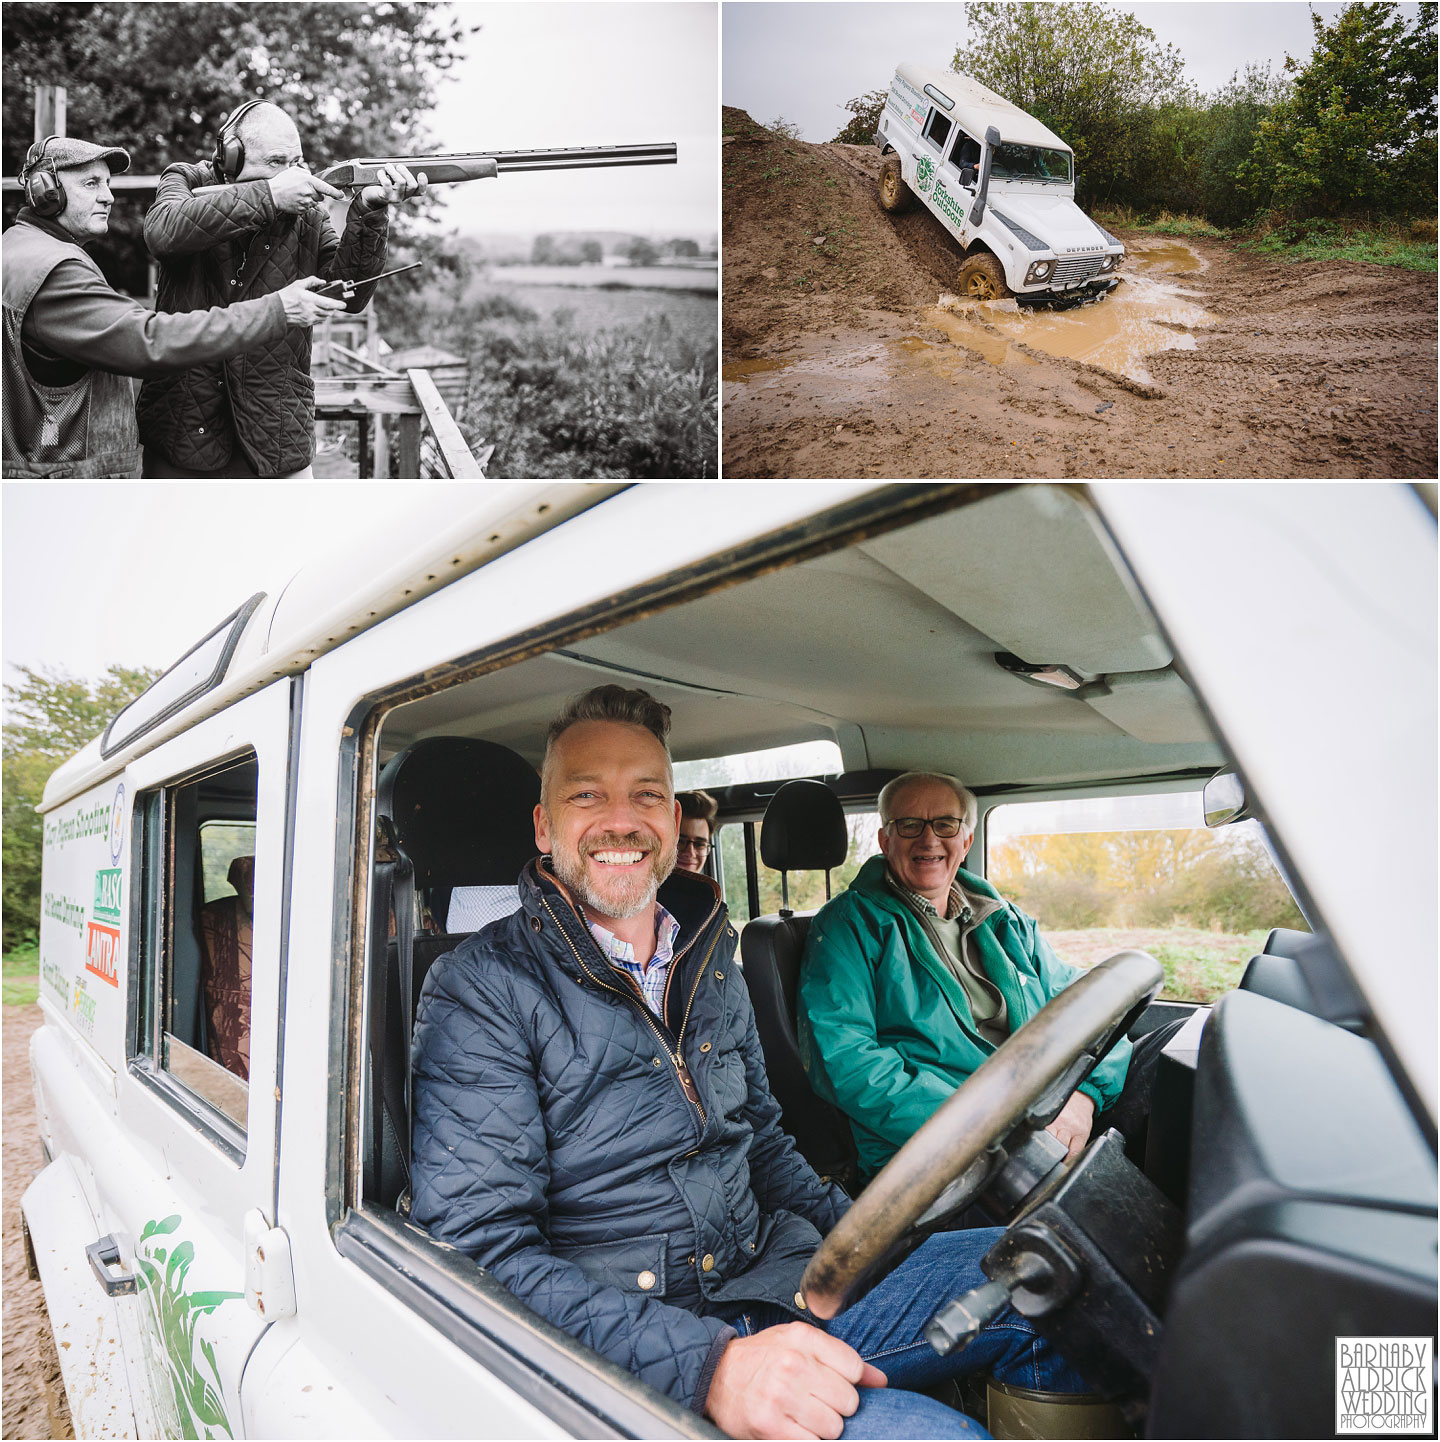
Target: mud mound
{"points": [[806, 243]]}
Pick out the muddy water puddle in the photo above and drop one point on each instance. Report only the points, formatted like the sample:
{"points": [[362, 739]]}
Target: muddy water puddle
{"points": [[1148, 312]]}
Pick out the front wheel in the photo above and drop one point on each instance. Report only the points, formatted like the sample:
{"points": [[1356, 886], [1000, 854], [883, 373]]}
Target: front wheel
{"points": [[983, 278], [895, 195]]}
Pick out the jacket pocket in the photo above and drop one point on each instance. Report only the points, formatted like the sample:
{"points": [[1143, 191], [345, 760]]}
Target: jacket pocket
{"points": [[633, 1264]]}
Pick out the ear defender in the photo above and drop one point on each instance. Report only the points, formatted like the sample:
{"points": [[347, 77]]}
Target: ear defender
{"points": [[43, 191], [229, 154]]}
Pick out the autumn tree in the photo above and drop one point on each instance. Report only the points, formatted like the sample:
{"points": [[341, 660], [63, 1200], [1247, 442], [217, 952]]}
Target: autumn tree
{"points": [[49, 715]]}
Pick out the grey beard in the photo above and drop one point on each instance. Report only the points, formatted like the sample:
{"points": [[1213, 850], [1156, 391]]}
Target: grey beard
{"points": [[637, 893]]}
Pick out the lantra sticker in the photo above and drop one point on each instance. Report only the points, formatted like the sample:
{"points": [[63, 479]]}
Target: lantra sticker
{"points": [[102, 952]]}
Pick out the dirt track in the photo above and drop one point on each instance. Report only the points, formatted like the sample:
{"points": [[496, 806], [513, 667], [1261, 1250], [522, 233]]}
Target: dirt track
{"points": [[837, 362], [28, 1361]]}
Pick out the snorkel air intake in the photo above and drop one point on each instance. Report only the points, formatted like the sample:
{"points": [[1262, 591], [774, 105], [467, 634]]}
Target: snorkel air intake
{"points": [[992, 140]]}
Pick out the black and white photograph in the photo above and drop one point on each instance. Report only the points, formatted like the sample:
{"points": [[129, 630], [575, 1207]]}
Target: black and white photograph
{"points": [[361, 240]]}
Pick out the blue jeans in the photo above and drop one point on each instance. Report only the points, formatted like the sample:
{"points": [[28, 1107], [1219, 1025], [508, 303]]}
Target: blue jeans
{"points": [[887, 1328]]}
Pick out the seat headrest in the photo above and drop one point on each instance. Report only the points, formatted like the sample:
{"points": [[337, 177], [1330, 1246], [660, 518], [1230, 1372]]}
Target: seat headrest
{"points": [[804, 828], [242, 877], [461, 810]]}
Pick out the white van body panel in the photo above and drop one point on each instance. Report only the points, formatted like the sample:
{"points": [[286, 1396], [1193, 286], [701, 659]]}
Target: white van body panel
{"points": [[86, 1322], [976, 106]]}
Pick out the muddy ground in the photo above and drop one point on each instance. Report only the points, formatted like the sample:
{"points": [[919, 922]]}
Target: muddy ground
{"points": [[28, 1353], [838, 361]]}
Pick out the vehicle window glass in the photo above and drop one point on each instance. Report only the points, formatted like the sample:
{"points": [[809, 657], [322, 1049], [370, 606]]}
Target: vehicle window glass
{"points": [[730, 846], [1030, 162], [966, 152], [807, 888], [1101, 874], [220, 843], [197, 884], [937, 129], [778, 763]]}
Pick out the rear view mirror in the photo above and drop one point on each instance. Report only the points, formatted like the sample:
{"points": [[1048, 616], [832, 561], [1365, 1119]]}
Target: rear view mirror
{"points": [[1225, 799]]}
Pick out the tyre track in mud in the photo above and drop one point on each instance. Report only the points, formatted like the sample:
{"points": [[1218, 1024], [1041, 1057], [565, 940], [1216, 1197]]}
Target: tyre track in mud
{"points": [[1306, 369]]}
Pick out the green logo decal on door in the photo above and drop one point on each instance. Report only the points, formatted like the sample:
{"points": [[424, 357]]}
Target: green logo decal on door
{"points": [[173, 1314]]}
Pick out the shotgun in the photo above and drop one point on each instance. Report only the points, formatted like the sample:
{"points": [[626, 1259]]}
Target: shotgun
{"points": [[487, 164]]}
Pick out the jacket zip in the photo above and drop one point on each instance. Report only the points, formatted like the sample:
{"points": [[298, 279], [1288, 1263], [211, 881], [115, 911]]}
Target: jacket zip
{"points": [[633, 996]]}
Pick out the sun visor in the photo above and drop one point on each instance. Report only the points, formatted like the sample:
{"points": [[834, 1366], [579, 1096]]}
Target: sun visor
{"points": [[1151, 706], [1028, 569]]}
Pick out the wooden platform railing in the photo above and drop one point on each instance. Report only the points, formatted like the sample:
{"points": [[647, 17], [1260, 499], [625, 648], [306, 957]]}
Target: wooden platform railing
{"points": [[356, 386]]}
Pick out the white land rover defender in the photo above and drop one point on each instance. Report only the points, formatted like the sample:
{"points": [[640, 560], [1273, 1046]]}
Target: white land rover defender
{"points": [[1000, 182], [248, 876]]}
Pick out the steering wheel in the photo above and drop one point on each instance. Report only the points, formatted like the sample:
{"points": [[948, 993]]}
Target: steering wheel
{"points": [[961, 1150]]}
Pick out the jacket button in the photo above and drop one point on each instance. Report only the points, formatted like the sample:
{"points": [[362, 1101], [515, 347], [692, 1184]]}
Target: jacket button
{"points": [[645, 1281], [233, 282], [707, 1263], [535, 923], [656, 1060], [704, 1046], [719, 976], [800, 1302], [200, 430], [690, 1260]]}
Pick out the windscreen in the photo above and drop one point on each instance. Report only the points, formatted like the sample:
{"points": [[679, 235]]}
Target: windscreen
{"points": [[1030, 162]]}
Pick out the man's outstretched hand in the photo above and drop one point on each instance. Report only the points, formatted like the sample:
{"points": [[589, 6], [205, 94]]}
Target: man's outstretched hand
{"points": [[1073, 1124], [793, 1381]]}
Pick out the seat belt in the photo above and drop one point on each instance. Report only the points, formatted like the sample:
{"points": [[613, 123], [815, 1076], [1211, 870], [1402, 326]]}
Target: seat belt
{"points": [[390, 1026]]}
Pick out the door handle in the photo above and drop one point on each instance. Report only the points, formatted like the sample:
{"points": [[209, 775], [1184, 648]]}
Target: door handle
{"points": [[103, 1255]]}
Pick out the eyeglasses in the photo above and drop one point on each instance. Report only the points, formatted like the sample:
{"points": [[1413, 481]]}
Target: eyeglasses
{"points": [[912, 826], [700, 848]]}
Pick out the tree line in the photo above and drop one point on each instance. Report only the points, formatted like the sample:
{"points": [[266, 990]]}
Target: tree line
{"points": [[49, 716], [1349, 133]]}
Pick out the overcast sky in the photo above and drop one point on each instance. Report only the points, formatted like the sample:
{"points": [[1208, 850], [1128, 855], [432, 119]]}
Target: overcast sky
{"points": [[547, 73], [135, 574], [803, 61]]}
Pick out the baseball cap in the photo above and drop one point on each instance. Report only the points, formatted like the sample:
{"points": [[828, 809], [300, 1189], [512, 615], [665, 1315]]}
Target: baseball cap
{"points": [[65, 151]]}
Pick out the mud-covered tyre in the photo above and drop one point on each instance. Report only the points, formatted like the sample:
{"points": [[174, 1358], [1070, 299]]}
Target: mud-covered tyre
{"points": [[895, 196], [983, 278]]}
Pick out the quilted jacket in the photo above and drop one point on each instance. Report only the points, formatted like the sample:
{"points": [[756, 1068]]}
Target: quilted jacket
{"points": [[234, 245], [555, 1143]]}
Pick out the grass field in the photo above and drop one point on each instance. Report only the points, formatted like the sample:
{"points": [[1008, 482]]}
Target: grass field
{"points": [[21, 984], [1200, 966]]}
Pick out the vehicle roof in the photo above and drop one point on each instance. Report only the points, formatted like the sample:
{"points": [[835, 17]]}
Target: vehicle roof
{"points": [[417, 549], [977, 106]]}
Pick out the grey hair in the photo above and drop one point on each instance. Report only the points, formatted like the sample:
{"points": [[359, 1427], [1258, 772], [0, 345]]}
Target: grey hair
{"points": [[969, 806], [608, 703]]}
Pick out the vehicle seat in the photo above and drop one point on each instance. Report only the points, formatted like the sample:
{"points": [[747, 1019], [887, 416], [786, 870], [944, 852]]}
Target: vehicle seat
{"points": [[1303, 971], [225, 950], [803, 830], [452, 814]]}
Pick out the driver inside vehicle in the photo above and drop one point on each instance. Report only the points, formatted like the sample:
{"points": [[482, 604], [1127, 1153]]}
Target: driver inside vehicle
{"points": [[918, 972], [593, 1125]]}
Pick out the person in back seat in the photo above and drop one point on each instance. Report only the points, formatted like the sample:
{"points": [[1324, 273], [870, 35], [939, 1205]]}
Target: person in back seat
{"points": [[697, 829], [593, 1126], [913, 976], [225, 934]]}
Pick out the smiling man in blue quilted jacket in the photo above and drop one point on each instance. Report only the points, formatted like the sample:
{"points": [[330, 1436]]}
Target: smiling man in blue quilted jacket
{"points": [[593, 1125], [252, 415]]}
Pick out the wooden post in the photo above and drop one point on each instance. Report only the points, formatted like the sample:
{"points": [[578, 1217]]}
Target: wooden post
{"points": [[409, 447], [365, 469], [49, 110], [382, 436]]}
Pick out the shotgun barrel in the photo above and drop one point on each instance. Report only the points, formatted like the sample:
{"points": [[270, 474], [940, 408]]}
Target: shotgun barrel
{"points": [[484, 164]]}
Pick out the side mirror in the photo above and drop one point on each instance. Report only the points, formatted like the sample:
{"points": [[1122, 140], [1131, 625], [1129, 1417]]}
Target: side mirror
{"points": [[1225, 800], [967, 176]]}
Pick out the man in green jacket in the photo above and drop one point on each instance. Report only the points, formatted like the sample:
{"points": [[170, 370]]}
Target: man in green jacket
{"points": [[914, 976]]}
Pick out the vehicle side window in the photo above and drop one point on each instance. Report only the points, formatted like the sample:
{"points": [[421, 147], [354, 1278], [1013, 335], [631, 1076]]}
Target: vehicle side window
{"points": [[937, 128], [807, 888], [966, 153], [1104, 873], [197, 895], [730, 844]]}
